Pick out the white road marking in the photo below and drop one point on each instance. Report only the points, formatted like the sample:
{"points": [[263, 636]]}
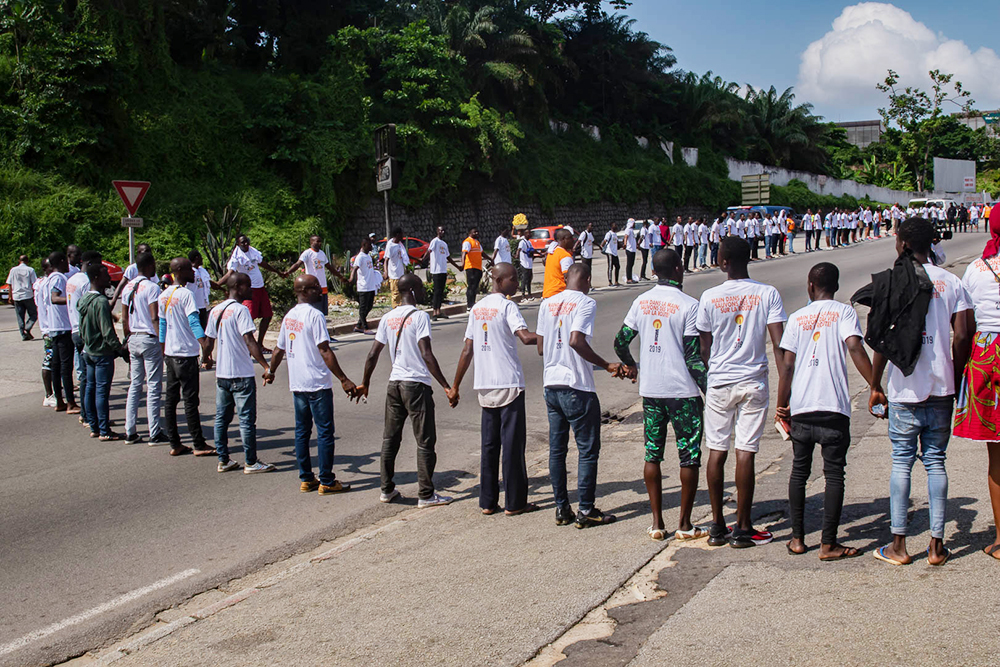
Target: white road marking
{"points": [[96, 611]]}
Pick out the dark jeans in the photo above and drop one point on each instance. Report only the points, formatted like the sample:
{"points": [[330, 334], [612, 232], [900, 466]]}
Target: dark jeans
{"points": [[688, 251], [236, 396], [715, 254], [588, 261], [315, 406], [416, 401], [581, 411], [754, 247], [504, 430], [81, 376], [472, 277], [182, 379], [833, 437], [323, 305], [614, 267], [524, 277], [438, 280], [97, 396], [365, 302], [62, 365], [645, 257], [629, 265], [22, 308]]}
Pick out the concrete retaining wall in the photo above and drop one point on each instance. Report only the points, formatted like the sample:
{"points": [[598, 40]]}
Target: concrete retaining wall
{"points": [[823, 185]]}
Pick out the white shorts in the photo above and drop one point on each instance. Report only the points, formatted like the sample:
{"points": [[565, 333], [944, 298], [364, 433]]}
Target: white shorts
{"points": [[741, 404]]}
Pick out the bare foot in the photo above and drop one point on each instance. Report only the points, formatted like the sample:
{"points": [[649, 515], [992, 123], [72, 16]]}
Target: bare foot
{"points": [[993, 550], [797, 546], [835, 551], [889, 552]]}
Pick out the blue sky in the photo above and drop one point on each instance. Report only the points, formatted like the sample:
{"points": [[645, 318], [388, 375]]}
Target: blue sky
{"points": [[785, 43]]}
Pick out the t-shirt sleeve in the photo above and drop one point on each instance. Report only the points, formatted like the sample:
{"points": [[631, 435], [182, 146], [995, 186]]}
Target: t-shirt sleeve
{"points": [[963, 302], [584, 321], [849, 325], [515, 321], [58, 284], [212, 331], [790, 338], [233, 264], [775, 309], [318, 326], [540, 322], [304, 257], [470, 328], [382, 332], [282, 337], [244, 322], [189, 304], [690, 320], [421, 323], [466, 247], [704, 320], [632, 316], [565, 263]]}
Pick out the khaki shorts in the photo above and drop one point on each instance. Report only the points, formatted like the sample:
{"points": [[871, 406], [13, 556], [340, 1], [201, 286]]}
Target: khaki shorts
{"points": [[737, 412], [397, 298]]}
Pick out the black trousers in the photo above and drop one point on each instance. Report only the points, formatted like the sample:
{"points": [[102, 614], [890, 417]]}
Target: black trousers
{"points": [[365, 302], [524, 277], [688, 251], [645, 257], [614, 266], [438, 280], [754, 247], [414, 400], [834, 437], [589, 261], [183, 380], [629, 265], [27, 308], [504, 430], [203, 317], [472, 278], [62, 366]]}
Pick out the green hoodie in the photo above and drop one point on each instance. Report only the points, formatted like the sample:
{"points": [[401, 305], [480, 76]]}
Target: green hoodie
{"points": [[97, 329]]}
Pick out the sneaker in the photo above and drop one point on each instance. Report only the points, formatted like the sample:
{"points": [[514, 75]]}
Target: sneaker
{"points": [[50, 401], [227, 466], [718, 536], [336, 487], [593, 518], [309, 487], [751, 538], [260, 466], [564, 516], [434, 501], [132, 439], [389, 497], [159, 439]]}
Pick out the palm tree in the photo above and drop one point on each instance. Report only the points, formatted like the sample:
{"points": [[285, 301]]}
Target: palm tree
{"points": [[783, 133]]}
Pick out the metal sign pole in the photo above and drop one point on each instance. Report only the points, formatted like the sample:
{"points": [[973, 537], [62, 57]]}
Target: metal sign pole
{"points": [[131, 246]]}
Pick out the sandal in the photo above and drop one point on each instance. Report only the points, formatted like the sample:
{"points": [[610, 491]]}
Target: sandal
{"points": [[111, 437], [658, 534], [491, 511], [529, 507], [992, 550], [947, 555], [848, 552], [73, 410], [695, 533], [880, 555]]}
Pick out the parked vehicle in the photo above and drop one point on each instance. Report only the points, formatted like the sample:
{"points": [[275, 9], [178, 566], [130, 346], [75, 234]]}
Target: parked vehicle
{"points": [[415, 248]]}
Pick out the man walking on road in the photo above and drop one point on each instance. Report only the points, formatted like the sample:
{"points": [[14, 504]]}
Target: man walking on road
{"points": [[920, 404], [525, 258], [495, 326], [558, 263], [61, 333], [396, 258], [814, 401], [734, 320], [565, 327], [630, 248], [501, 247], [438, 259], [406, 331], [472, 264], [100, 347], [181, 339], [311, 367], [141, 324], [585, 245], [665, 318], [366, 283], [21, 278], [236, 388]]}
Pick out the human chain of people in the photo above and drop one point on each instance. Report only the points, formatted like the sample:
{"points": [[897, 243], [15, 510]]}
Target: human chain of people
{"points": [[702, 366]]}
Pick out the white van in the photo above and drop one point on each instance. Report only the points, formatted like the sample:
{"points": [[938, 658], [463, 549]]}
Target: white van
{"points": [[940, 203]]}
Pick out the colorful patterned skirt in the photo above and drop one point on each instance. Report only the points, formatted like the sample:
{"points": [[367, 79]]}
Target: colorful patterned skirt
{"points": [[978, 408]]}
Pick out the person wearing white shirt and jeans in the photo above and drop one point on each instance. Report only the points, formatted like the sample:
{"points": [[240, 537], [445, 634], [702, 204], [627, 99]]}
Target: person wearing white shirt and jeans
{"points": [[565, 327], [438, 257], [76, 288], [406, 331], [235, 386], [21, 278], [315, 262], [703, 234], [141, 324], [920, 404], [311, 367], [814, 402], [734, 321], [61, 333]]}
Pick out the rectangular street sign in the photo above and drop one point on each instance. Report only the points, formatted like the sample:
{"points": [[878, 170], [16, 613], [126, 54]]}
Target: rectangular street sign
{"points": [[992, 117], [134, 223], [756, 189], [385, 176]]}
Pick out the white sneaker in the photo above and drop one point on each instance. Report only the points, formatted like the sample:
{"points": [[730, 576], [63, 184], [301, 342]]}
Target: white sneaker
{"points": [[260, 466], [434, 501], [50, 401], [227, 466], [389, 497]]}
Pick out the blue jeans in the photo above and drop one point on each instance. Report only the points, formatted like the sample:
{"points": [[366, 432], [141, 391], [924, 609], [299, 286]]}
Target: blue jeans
{"points": [[580, 410], [81, 375], [790, 237], [702, 253], [767, 246], [714, 253], [236, 396], [315, 406], [100, 372], [929, 421]]}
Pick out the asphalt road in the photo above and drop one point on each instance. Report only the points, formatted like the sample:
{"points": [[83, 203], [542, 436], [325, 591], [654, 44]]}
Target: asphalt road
{"points": [[95, 538]]}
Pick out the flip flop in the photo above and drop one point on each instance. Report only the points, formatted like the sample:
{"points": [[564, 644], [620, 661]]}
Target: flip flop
{"points": [[695, 533], [992, 551], [848, 552], [947, 555], [529, 507], [880, 555], [491, 511], [657, 534]]}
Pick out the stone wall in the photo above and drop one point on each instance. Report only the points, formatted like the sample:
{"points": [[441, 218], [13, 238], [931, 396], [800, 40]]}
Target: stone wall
{"points": [[490, 212], [822, 185]]}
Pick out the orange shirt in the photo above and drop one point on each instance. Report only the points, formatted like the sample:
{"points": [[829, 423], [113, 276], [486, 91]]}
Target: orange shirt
{"points": [[555, 276], [473, 254]]}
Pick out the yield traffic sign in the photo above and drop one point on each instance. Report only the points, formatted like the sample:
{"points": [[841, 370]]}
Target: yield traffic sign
{"points": [[131, 193]]}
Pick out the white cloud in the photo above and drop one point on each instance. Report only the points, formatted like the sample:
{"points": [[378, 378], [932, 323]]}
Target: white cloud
{"points": [[840, 70]]}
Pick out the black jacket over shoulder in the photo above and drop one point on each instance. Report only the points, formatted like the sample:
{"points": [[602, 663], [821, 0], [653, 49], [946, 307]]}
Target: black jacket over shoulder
{"points": [[898, 298]]}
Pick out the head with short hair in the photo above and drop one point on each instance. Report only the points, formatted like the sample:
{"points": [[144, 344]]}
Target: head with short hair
{"points": [[396, 234], [23, 259], [824, 280], [614, 226], [73, 254], [366, 244], [915, 234], [411, 287], [182, 270], [734, 254], [315, 241], [57, 261], [504, 279], [100, 280], [564, 238], [668, 265], [473, 232], [239, 286], [243, 242], [439, 232], [46, 266], [145, 264], [88, 258], [578, 277], [143, 247], [307, 288], [195, 257]]}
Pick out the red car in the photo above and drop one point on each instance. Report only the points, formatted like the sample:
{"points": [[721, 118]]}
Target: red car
{"points": [[116, 272], [541, 237], [416, 248]]}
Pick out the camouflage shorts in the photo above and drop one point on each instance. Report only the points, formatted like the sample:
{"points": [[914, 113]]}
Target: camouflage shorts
{"points": [[686, 415], [47, 344]]}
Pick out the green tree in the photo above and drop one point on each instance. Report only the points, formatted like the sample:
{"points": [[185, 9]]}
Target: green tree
{"points": [[783, 133]]}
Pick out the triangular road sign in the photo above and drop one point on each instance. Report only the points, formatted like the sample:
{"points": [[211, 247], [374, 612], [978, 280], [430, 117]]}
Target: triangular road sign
{"points": [[131, 193]]}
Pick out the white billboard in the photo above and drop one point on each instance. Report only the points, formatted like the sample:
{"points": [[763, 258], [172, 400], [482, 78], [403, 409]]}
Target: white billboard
{"points": [[954, 175]]}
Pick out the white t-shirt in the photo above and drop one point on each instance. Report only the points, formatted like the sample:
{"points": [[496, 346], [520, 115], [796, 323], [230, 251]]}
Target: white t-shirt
{"points": [[677, 234], [713, 234], [233, 357], [689, 234], [202, 287], [737, 313], [132, 272], [663, 316], [248, 263], [314, 263], [934, 373], [73, 270], [630, 240], [524, 253], [502, 248], [407, 363], [703, 234], [610, 244], [437, 251], [40, 305], [302, 331], [492, 323], [984, 293], [558, 317], [395, 259], [643, 237], [76, 287], [175, 304], [58, 314], [818, 334], [145, 291], [587, 244], [653, 235], [21, 278], [368, 280]]}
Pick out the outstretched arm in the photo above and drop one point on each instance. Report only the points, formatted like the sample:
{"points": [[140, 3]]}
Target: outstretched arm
{"points": [[371, 361], [290, 270], [464, 361], [860, 357], [330, 359], [578, 342], [432, 363]]}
